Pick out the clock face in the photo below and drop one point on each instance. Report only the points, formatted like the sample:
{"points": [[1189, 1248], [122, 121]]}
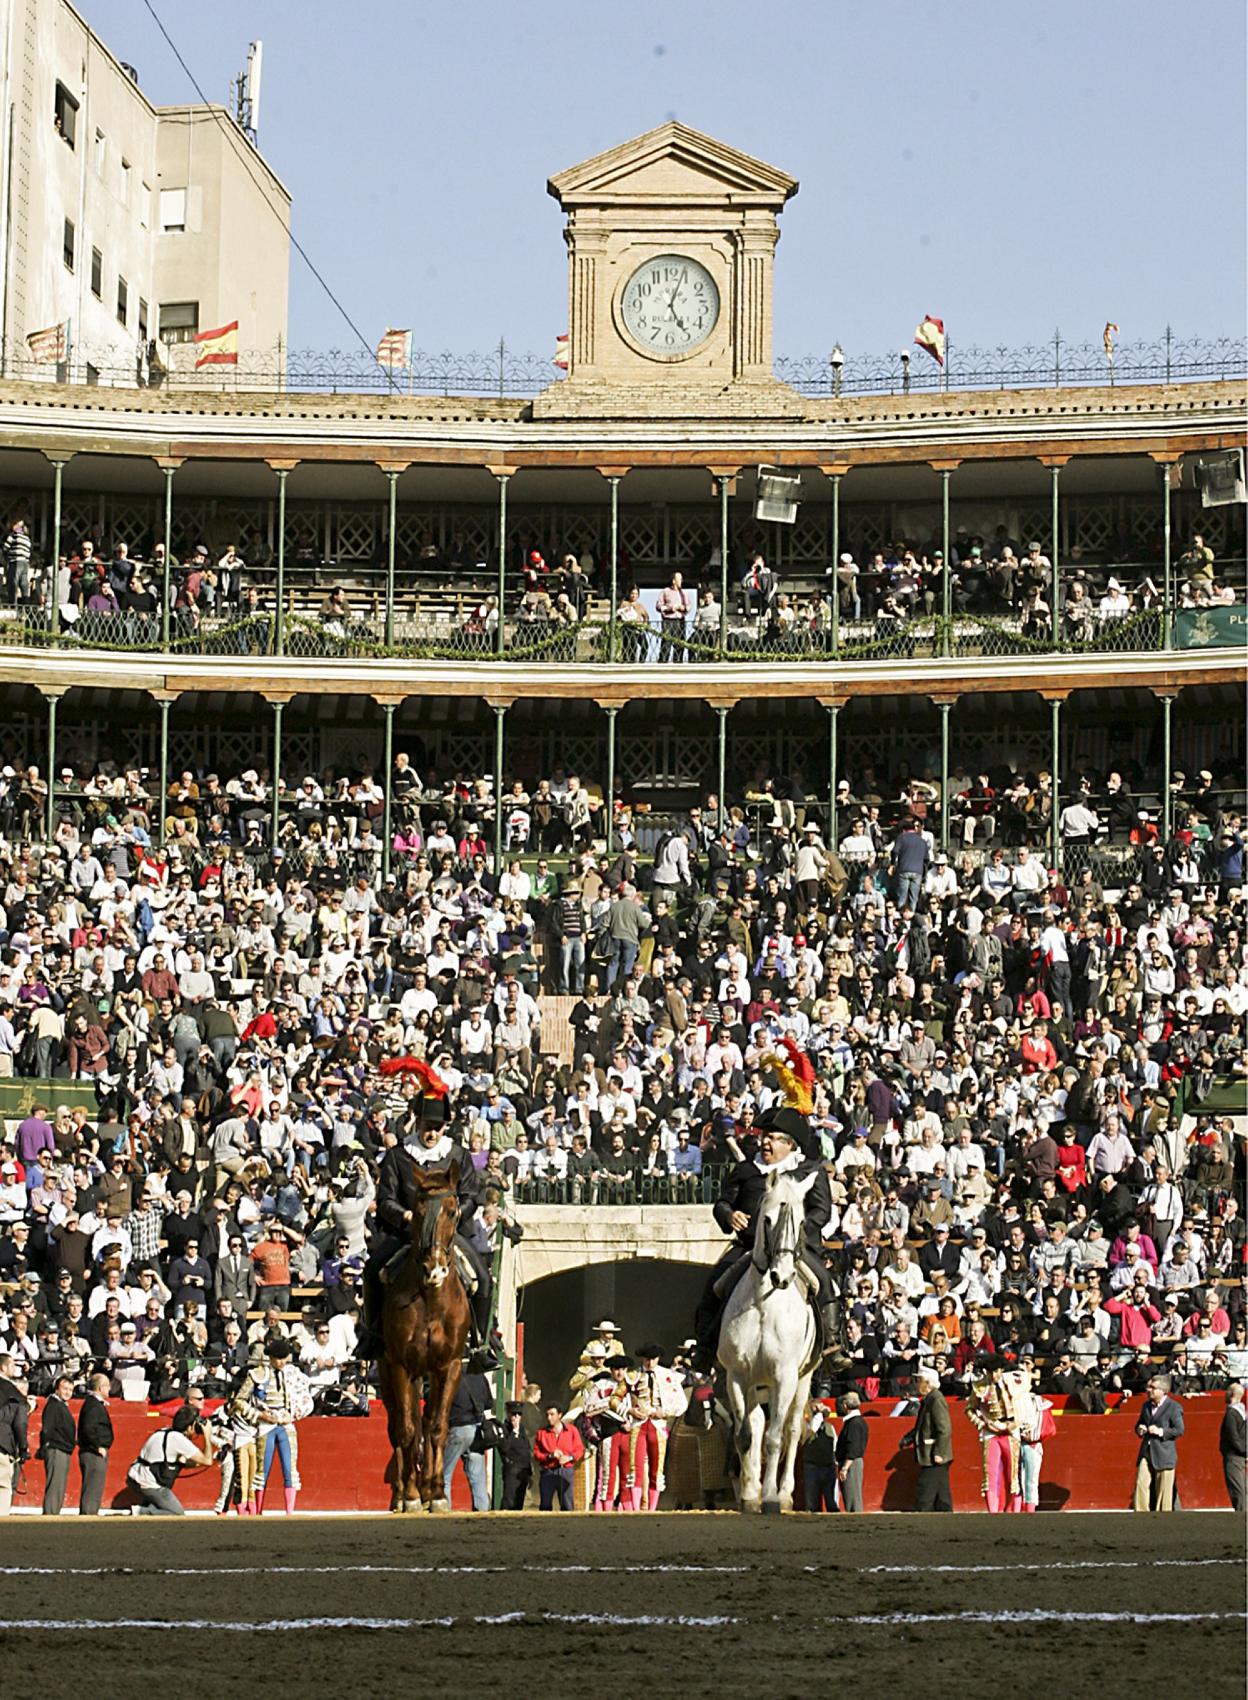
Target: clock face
{"points": [[670, 306]]}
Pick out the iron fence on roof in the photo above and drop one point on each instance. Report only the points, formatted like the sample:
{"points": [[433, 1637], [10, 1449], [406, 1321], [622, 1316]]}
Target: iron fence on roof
{"points": [[503, 373]]}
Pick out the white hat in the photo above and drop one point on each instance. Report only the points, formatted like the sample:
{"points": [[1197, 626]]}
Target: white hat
{"points": [[607, 1327], [928, 1373]]}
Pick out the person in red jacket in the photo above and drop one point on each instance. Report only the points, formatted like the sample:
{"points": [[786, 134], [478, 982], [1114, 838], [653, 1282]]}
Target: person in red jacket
{"points": [[1137, 1314], [1072, 1163], [557, 1449]]}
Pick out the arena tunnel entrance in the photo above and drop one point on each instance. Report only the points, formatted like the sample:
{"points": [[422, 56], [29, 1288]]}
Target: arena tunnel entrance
{"points": [[649, 1298]]}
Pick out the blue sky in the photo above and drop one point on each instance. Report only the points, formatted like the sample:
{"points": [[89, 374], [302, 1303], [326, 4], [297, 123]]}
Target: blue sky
{"points": [[1011, 167]]}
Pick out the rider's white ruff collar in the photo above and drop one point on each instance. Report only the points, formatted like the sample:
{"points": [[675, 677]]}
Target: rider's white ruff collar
{"points": [[428, 1154], [792, 1161]]}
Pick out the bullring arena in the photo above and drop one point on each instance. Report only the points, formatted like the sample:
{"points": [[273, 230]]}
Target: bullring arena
{"points": [[678, 915], [716, 1603]]}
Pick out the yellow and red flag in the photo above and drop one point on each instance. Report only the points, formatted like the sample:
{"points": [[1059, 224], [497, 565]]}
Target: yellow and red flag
{"points": [[395, 349], [217, 348], [930, 335], [47, 345], [1111, 331], [560, 356]]}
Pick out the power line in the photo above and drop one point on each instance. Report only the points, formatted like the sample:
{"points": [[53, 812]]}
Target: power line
{"points": [[232, 134]]}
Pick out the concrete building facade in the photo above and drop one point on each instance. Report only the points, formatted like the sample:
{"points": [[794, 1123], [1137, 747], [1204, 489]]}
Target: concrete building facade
{"points": [[111, 206]]}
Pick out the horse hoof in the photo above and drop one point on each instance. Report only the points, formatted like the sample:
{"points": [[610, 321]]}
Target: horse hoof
{"points": [[771, 1508], [439, 1505], [751, 1507]]}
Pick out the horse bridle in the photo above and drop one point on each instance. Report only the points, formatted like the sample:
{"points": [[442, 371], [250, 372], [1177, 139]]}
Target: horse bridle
{"points": [[773, 1233], [427, 1243]]}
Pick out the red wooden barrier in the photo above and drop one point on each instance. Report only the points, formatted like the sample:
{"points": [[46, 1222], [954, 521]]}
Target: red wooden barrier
{"points": [[1089, 1465]]}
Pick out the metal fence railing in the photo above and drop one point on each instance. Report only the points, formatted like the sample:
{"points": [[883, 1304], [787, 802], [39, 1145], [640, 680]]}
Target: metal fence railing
{"points": [[452, 635], [502, 373]]}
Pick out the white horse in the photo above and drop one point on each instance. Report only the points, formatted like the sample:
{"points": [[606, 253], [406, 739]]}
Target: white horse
{"points": [[767, 1347]]}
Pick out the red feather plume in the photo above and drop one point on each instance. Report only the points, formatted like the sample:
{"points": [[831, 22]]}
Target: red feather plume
{"points": [[803, 1068], [433, 1083]]}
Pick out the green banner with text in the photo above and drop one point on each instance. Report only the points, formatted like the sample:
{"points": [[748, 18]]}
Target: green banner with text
{"points": [[1210, 628]]}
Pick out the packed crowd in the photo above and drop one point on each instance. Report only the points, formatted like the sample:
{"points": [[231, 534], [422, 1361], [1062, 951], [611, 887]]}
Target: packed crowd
{"points": [[1015, 1074]]}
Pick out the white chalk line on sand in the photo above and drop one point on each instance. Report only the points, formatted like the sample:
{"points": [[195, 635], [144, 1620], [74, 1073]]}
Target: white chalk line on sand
{"points": [[1059, 1564], [605, 1620], [377, 1570]]}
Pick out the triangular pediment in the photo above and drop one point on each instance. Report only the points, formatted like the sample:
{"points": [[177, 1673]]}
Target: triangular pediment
{"points": [[672, 160]]}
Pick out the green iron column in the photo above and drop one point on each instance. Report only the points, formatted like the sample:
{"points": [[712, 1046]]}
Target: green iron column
{"points": [[392, 479], [834, 756], [1055, 593], [1167, 767], [1055, 840], [279, 610], [611, 710], [166, 703], [836, 563], [387, 787], [721, 768], [1167, 565], [166, 586], [726, 481], [945, 704], [613, 609], [54, 698], [276, 821], [500, 715], [504, 479], [54, 612], [946, 577]]}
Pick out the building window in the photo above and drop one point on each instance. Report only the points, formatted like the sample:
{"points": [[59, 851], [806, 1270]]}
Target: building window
{"points": [[65, 115], [142, 319], [97, 273], [145, 202], [67, 251], [123, 300], [125, 182], [101, 153], [172, 210], [179, 321]]}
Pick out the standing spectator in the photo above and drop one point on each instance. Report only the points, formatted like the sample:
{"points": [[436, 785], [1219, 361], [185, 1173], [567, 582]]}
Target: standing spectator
{"points": [[1233, 1444], [516, 1452], [932, 1439], [819, 1462], [909, 861], [672, 608], [557, 1450], [95, 1438], [851, 1451], [1159, 1428], [57, 1435], [13, 1417], [463, 1439]]}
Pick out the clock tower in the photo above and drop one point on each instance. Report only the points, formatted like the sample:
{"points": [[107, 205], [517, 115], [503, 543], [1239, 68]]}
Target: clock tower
{"points": [[671, 244]]}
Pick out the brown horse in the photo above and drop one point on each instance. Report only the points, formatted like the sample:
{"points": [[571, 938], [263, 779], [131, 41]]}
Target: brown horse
{"points": [[424, 1325]]}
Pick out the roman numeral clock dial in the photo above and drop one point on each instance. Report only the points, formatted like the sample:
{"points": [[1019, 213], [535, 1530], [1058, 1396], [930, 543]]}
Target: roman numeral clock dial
{"points": [[670, 306]]}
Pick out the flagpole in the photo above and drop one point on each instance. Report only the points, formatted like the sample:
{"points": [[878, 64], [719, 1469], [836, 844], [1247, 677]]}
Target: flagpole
{"points": [[944, 371]]}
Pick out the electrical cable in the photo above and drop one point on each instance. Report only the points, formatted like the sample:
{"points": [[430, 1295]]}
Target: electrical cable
{"points": [[233, 134]]}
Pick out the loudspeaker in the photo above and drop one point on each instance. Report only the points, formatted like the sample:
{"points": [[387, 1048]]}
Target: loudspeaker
{"points": [[1221, 479], [778, 495]]}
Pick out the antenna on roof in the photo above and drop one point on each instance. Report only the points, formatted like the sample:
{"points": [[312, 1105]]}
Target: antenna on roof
{"points": [[245, 93]]}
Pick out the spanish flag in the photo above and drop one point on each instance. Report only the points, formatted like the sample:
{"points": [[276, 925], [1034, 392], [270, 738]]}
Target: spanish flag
{"points": [[560, 356], [931, 336], [217, 348]]}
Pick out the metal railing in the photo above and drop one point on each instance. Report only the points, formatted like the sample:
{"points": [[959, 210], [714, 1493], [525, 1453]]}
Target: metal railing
{"points": [[445, 636], [635, 1187], [503, 373]]}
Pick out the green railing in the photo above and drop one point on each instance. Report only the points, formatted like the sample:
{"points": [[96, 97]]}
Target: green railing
{"points": [[809, 639], [633, 1188]]}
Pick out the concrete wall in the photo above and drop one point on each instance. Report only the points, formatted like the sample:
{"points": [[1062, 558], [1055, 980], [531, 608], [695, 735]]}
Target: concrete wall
{"points": [[234, 255], [561, 1237]]}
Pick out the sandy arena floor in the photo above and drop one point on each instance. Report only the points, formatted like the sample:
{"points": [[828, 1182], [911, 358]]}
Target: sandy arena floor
{"points": [[550, 1606]]}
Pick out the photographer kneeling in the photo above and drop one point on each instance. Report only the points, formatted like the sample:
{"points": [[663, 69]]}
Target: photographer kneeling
{"points": [[163, 1456]]}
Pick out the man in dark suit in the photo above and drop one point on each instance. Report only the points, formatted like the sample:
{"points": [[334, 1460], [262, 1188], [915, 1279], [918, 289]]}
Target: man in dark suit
{"points": [[851, 1451], [235, 1278], [95, 1438], [939, 1253], [1159, 1427], [516, 1451], [786, 1145], [932, 1439], [57, 1436], [1233, 1444]]}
